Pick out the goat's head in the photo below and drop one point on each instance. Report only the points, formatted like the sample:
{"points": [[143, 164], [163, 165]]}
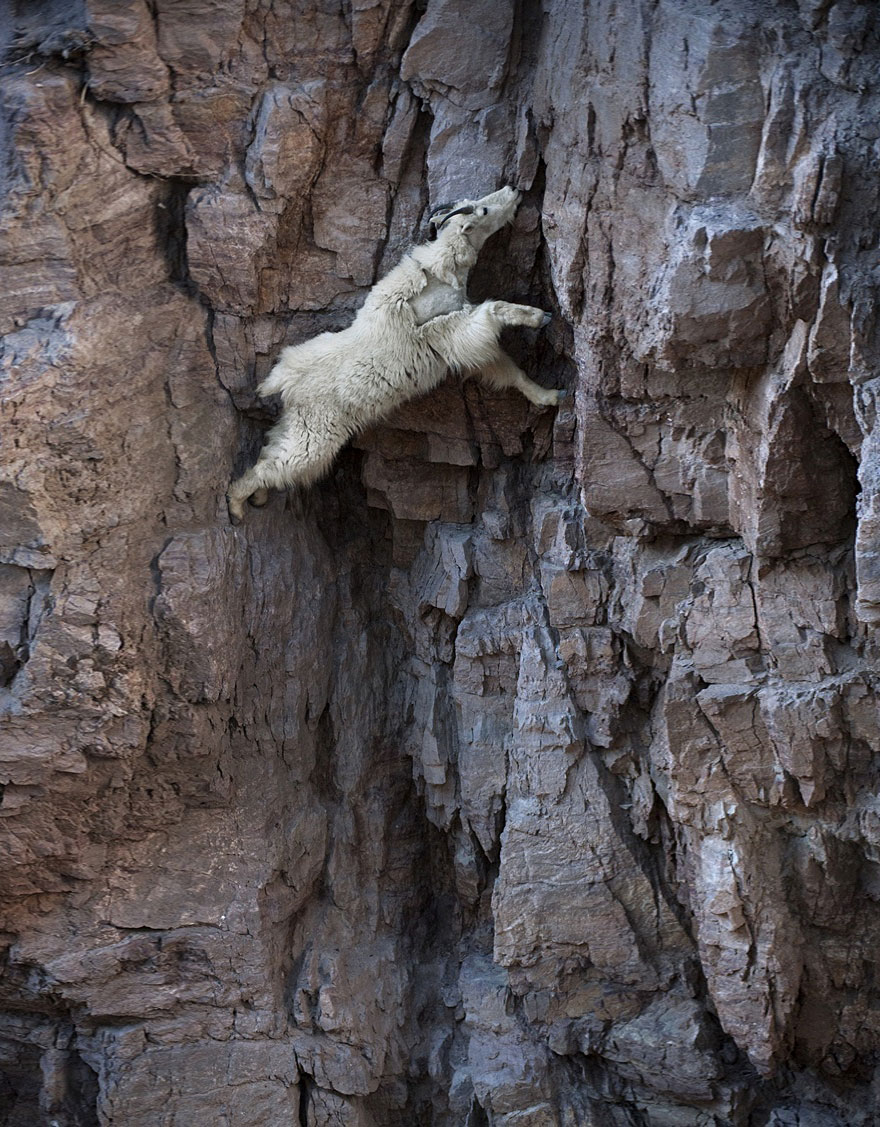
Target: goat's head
{"points": [[478, 219]]}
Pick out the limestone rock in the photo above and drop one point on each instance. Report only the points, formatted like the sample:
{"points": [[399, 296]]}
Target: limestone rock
{"points": [[524, 771]]}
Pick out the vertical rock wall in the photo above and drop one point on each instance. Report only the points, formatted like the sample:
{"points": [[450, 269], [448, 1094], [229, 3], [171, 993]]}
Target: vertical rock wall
{"points": [[525, 771]]}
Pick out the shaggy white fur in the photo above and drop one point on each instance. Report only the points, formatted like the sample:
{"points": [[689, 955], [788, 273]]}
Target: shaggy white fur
{"points": [[415, 325]]}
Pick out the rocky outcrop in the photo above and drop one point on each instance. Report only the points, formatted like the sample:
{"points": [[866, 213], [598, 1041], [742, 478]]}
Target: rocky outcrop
{"points": [[524, 772]]}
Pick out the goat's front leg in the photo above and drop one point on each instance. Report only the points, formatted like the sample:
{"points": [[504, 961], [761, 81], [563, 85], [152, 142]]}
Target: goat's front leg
{"points": [[502, 372], [467, 339], [508, 313]]}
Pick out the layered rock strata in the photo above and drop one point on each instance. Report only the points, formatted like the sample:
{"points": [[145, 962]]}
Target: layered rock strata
{"points": [[524, 772]]}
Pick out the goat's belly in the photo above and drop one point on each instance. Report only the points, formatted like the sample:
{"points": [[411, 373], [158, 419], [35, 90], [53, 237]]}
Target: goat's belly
{"points": [[375, 386]]}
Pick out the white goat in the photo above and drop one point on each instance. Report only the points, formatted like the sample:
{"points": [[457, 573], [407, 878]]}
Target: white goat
{"points": [[414, 326]]}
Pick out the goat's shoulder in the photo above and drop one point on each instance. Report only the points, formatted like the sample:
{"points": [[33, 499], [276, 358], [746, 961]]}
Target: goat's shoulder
{"points": [[438, 297], [399, 284]]}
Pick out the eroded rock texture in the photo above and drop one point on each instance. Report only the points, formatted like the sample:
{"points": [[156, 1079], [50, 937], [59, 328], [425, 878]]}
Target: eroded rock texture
{"points": [[525, 771]]}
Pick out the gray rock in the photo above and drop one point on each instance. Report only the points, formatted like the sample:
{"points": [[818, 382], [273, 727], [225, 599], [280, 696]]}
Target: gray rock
{"points": [[523, 772]]}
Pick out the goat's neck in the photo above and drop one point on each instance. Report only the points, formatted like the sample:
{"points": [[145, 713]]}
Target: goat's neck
{"points": [[451, 260]]}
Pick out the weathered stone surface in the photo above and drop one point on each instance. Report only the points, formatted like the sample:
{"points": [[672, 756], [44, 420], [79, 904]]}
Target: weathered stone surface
{"points": [[523, 772]]}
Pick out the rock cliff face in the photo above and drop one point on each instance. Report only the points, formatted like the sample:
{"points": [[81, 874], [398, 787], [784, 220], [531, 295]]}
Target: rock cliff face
{"points": [[525, 772]]}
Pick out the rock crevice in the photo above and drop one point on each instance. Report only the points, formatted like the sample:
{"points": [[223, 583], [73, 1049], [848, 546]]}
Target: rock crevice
{"points": [[523, 772]]}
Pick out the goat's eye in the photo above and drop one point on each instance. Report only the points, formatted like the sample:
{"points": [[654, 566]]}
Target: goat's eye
{"points": [[484, 211]]}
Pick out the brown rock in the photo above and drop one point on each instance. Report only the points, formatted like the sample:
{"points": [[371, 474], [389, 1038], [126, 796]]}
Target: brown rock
{"points": [[524, 770]]}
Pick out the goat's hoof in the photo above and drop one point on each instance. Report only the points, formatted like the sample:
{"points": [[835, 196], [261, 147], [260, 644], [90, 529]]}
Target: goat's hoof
{"points": [[259, 497], [545, 320], [236, 511], [561, 394]]}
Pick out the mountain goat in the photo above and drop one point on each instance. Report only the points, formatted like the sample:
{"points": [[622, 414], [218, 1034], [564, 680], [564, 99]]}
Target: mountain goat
{"points": [[415, 325]]}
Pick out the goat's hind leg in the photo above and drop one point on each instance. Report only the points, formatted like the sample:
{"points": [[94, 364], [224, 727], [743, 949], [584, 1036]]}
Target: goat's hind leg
{"points": [[299, 450], [503, 372], [250, 485]]}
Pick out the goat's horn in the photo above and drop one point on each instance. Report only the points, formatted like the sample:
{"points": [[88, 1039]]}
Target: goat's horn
{"points": [[468, 209]]}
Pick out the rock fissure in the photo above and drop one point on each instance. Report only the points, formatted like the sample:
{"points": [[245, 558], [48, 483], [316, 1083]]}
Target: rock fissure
{"points": [[523, 771]]}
